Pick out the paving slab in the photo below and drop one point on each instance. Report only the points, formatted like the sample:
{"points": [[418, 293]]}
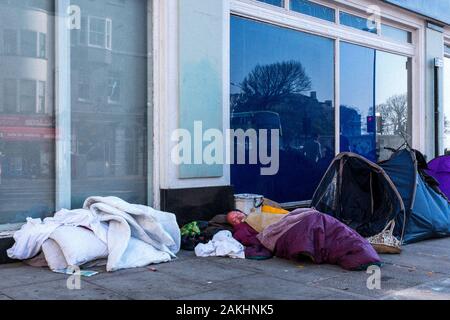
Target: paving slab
{"points": [[151, 285], [437, 290], [393, 278], [300, 271], [18, 274], [203, 270], [57, 290], [261, 287]]}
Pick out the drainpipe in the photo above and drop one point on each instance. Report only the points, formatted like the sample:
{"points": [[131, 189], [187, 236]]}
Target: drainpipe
{"points": [[438, 64]]}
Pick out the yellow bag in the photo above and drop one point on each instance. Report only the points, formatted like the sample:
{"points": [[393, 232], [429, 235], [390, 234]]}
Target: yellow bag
{"points": [[269, 216]]}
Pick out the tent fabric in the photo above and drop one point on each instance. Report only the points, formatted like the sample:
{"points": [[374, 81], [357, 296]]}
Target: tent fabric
{"points": [[427, 209], [439, 168], [324, 239], [358, 193]]}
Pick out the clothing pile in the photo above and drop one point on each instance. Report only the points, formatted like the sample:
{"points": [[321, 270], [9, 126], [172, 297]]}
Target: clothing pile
{"points": [[107, 229]]}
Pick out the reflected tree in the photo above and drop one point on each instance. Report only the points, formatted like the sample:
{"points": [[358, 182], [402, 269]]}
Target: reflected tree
{"points": [[394, 114], [270, 84]]}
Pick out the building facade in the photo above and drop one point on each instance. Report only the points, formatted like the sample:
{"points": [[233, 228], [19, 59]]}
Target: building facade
{"points": [[92, 93]]}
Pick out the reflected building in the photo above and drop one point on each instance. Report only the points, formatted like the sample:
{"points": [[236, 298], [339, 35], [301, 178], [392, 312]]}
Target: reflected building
{"points": [[109, 94], [27, 123]]}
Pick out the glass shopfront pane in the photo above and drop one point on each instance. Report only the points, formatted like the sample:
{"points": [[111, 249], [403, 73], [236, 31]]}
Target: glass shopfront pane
{"points": [[283, 79], [396, 33], [447, 105], [27, 129], [109, 101], [279, 3], [375, 101], [313, 9], [356, 22]]}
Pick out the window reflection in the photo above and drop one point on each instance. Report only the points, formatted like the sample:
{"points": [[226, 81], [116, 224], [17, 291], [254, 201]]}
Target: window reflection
{"points": [[109, 101], [357, 22], [396, 33], [375, 105], [313, 9], [279, 3], [27, 124], [283, 79]]}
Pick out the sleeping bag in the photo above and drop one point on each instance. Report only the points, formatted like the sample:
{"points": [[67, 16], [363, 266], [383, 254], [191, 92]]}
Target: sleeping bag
{"points": [[324, 239]]}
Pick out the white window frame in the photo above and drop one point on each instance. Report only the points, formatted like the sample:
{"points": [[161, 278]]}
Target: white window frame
{"points": [[107, 35]]}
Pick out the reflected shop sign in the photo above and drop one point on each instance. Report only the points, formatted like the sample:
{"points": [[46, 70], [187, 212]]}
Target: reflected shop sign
{"points": [[26, 128]]}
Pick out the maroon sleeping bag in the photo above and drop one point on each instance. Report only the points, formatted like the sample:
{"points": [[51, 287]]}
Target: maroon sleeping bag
{"points": [[307, 232]]}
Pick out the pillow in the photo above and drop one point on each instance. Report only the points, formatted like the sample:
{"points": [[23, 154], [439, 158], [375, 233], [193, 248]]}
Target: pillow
{"points": [[53, 255], [79, 245]]}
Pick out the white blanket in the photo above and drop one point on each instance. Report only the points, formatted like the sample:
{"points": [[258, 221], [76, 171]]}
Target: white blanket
{"points": [[222, 245], [135, 235]]}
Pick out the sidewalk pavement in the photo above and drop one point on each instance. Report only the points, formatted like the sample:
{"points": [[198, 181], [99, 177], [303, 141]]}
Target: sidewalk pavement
{"points": [[422, 271]]}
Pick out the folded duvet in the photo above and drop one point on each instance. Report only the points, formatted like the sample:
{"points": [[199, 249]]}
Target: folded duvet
{"points": [[124, 234]]}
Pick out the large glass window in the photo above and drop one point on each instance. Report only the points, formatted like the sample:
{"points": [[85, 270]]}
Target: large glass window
{"points": [[375, 104], [283, 79], [109, 102], [27, 138], [107, 66]]}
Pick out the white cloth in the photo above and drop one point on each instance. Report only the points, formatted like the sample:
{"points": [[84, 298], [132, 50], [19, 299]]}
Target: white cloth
{"points": [[222, 245], [135, 235]]}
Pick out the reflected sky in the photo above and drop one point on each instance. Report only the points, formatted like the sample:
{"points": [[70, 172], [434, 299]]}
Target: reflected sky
{"points": [[374, 101], [268, 44]]}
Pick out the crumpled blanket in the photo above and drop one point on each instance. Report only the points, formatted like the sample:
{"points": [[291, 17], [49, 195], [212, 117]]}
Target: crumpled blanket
{"points": [[222, 245], [130, 231], [307, 232]]}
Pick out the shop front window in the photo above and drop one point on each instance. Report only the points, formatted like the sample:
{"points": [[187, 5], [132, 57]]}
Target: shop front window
{"points": [[27, 138], [107, 144], [283, 79], [103, 154], [375, 101]]}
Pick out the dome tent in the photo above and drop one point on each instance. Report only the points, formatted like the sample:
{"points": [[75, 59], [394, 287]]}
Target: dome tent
{"points": [[359, 193], [427, 209]]}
